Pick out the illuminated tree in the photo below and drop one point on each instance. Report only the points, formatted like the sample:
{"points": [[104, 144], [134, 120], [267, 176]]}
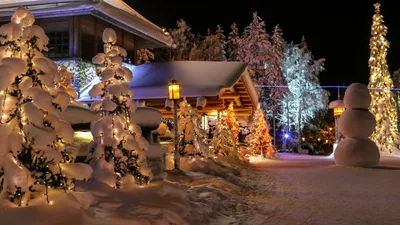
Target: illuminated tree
{"points": [[304, 99], [35, 154], [223, 141], [118, 147], [186, 129], [232, 122], [259, 139], [254, 47], [383, 104]]}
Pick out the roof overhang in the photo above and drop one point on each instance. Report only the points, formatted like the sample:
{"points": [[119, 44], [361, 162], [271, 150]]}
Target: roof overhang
{"points": [[115, 12], [219, 82]]}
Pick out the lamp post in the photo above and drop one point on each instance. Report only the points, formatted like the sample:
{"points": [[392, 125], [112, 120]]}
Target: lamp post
{"points": [[338, 109], [174, 93]]}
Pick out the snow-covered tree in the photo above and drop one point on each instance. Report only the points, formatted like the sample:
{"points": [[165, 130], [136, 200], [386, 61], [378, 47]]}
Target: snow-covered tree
{"points": [[183, 40], [223, 141], [383, 105], [232, 45], [144, 56], [186, 129], [254, 47], [274, 75], [118, 147], [304, 99], [212, 48], [192, 138], [259, 139], [232, 122], [66, 85], [35, 155]]}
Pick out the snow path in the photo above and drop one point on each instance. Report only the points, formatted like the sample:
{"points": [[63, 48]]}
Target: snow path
{"points": [[311, 190]]}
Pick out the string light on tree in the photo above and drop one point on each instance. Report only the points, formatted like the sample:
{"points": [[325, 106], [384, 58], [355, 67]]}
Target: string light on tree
{"points": [[382, 104]]}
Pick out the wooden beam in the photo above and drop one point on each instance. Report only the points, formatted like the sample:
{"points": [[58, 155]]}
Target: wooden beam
{"points": [[225, 96]]}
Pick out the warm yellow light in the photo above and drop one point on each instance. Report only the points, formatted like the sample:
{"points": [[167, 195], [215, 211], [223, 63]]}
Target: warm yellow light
{"points": [[174, 91], [326, 141], [338, 111], [330, 129], [303, 139], [319, 139], [204, 121]]}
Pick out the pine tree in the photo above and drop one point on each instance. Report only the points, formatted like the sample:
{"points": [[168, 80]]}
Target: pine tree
{"points": [[118, 146], [274, 74], [304, 99], [186, 129], [212, 48], [232, 122], [223, 141], [35, 154], [259, 139], [66, 85], [183, 39], [232, 44], [382, 104], [254, 47]]}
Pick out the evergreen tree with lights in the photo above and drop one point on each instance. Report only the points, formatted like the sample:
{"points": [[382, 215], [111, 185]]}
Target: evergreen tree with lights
{"points": [[232, 122], [304, 99], [232, 45], [259, 139], [118, 147], [382, 105], [223, 141], [186, 129], [254, 46], [35, 155]]}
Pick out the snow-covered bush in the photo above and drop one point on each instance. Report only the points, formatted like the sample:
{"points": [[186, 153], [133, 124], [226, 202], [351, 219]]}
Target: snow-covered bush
{"points": [[65, 84], [35, 155], [118, 148]]}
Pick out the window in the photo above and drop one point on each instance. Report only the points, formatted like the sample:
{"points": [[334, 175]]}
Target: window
{"points": [[58, 44]]}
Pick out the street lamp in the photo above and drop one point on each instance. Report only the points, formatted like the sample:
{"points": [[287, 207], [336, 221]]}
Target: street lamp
{"points": [[174, 93], [338, 110]]}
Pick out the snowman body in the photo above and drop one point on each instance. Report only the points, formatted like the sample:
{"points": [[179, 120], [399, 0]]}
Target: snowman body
{"points": [[357, 124]]}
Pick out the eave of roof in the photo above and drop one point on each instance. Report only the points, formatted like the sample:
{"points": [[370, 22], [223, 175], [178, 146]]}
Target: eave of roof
{"points": [[118, 14]]}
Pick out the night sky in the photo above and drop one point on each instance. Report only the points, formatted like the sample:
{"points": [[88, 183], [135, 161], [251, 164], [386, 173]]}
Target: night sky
{"points": [[335, 30]]}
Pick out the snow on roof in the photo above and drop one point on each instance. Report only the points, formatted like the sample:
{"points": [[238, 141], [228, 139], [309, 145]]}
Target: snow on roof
{"points": [[113, 11], [197, 78], [336, 104]]}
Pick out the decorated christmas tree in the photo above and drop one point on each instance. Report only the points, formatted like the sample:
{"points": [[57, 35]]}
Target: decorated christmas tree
{"points": [[35, 155], [66, 85], [382, 105], [232, 122], [259, 139], [118, 147], [223, 141]]}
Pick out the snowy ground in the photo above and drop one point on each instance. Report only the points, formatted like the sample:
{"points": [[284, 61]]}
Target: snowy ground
{"points": [[296, 189], [312, 190]]}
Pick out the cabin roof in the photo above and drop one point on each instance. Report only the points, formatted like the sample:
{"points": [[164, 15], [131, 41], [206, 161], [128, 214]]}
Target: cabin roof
{"points": [[219, 82], [115, 12]]}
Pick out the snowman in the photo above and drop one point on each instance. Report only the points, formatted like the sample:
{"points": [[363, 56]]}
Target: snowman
{"points": [[357, 124]]}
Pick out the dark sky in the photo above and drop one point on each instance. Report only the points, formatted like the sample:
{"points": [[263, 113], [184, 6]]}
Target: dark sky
{"points": [[335, 30]]}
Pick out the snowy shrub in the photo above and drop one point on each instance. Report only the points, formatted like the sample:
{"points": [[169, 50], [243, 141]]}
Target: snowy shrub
{"points": [[223, 141], [35, 155], [118, 148]]}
